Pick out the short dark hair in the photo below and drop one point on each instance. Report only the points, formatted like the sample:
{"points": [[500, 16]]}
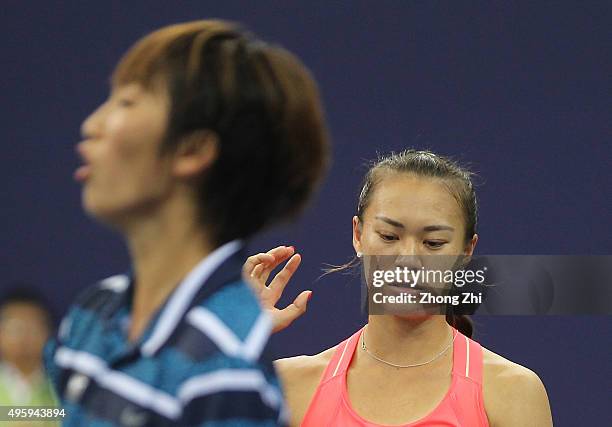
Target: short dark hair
{"points": [[23, 293], [258, 99]]}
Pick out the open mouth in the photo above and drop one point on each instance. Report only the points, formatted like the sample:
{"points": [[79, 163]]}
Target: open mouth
{"points": [[82, 173]]}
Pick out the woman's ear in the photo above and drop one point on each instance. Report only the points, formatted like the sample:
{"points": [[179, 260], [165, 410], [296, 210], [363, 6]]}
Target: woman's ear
{"points": [[469, 248], [195, 153], [357, 234]]}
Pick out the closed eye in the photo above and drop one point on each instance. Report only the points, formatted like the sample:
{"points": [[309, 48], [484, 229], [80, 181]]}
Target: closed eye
{"points": [[125, 102], [434, 244], [387, 237]]}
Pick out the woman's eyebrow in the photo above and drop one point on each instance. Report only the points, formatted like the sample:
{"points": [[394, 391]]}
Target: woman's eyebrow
{"points": [[390, 221], [435, 227], [438, 228]]}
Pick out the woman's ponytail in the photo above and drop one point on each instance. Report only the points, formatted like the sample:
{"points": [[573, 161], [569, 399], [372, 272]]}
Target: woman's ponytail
{"points": [[462, 323]]}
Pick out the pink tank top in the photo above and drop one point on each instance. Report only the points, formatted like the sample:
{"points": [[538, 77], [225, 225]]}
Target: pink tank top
{"points": [[461, 406]]}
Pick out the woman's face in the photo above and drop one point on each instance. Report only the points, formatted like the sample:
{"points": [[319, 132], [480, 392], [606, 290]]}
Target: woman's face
{"points": [[123, 171], [411, 215], [408, 221]]}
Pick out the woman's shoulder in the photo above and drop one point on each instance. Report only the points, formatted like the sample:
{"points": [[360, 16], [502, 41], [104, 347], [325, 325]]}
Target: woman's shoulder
{"points": [[499, 371], [508, 386], [300, 377], [304, 367]]}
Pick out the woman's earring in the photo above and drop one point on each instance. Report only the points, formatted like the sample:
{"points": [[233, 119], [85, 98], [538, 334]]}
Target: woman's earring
{"points": [[359, 254]]}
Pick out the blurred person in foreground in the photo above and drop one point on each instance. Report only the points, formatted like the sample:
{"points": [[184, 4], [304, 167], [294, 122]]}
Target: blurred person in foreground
{"points": [[208, 136]]}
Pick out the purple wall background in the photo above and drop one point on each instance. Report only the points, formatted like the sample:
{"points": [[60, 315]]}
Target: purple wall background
{"points": [[520, 91]]}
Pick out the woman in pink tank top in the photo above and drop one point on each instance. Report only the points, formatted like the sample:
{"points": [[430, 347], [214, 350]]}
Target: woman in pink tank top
{"points": [[461, 405], [404, 368]]}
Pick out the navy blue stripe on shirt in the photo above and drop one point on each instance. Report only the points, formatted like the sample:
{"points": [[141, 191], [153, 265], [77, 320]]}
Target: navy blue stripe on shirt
{"points": [[227, 405]]}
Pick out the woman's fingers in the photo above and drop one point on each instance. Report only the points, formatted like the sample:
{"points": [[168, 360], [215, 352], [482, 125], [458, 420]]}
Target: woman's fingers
{"points": [[251, 270], [277, 286], [255, 260], [256, 271], [280, 254], [272, 257], [257, 268], [285, 317]]}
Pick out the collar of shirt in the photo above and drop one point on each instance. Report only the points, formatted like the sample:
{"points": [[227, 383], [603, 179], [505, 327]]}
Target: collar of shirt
{"points": [[220, 267]]}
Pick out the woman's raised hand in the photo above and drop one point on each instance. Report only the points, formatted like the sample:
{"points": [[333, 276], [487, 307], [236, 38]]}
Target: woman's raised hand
{"points": [[256, 271]]}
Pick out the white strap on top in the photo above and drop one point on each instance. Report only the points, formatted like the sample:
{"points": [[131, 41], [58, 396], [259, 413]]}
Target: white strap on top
{"points": [[342, 356], [467, 357]]}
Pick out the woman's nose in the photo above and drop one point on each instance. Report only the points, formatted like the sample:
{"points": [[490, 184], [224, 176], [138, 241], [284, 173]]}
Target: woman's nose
{"points": [[80, 149], [409, 255], [90, 127], [409, 247], [412, 262]]}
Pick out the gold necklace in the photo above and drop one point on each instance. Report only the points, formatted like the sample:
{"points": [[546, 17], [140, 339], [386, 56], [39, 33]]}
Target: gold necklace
{"points": [[373, 356]]}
